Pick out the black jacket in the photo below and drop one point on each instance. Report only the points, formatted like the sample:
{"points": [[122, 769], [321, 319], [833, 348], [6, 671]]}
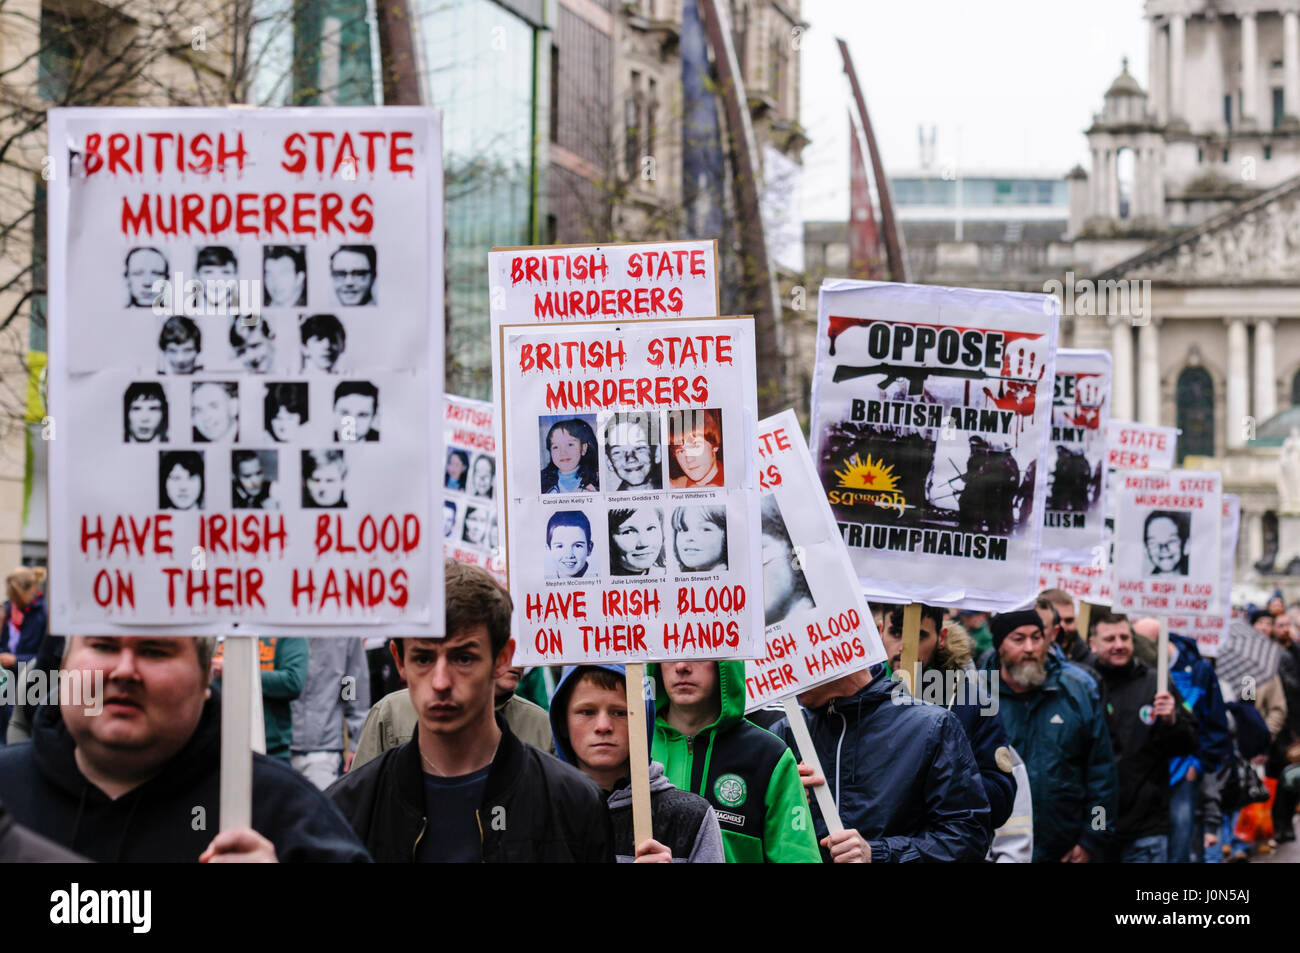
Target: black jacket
{"points": [[535, 808], [1143, 746], [20, 846], [173, 816]]}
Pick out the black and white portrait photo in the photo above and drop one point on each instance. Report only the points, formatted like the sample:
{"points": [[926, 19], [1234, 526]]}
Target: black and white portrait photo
{"points": [[324, 474], [284, 410], [356, 412], [353, 270], [218, 270], [253, 476], [477, 519], [481, 476], [636, 541], [284, 276], [144, 267], [252, 340], [323, 340], [144, 413], [632, 451], [569, 545], [1165, 534], [785, 589], [700, 538], [180, 480], [179, 344], [214, 411], [448, 519]]}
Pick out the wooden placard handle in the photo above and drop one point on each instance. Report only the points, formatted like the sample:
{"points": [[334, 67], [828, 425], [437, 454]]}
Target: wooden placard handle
{"points": [[638, 752], [239, 669]]}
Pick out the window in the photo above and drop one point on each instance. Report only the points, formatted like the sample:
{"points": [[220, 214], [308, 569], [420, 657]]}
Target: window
{"points": [[1225, 155], [1268, 153], [555, 93], [1200, 155], [1227, 111], [36, 334], [651, 118], [1195, 413], [1277, 107], [632, 124]]}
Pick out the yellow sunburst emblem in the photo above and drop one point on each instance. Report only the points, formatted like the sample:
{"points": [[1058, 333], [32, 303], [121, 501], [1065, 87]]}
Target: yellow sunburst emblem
{"points": [[869, 474]]}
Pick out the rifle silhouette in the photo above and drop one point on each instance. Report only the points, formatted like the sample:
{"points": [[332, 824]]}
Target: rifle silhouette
{"points": [[915, 376]]}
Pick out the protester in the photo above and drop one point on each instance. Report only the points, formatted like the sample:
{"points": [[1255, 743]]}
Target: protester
{"points": [[284, 665], [1147, 728], [590, 725], [139, 779], [1285, 751], [1055, 721], [977, 624], [24, 629], [336, 696], [707, 746], [465, 789], [905, 782], [393, 720], [943, 649], [1068, 640], [1196, 682]]}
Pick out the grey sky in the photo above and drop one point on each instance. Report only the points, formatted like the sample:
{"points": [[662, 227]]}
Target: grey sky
{"points": [[1009, 84]]}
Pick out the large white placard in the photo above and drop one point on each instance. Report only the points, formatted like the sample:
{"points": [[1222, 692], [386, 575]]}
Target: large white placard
{"points": [[631, 500], [1075, 509], [1211, 631], [246, 370], [1134, 446], [931, 423], [818, 625], [1167, 542]]}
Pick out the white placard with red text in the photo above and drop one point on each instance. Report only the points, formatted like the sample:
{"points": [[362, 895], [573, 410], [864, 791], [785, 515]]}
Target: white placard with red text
{"points": [[818, 625], [1167, 542], [1134, 446], [631, 500], [1210, 631], [471, 485], [246, 370], [1075, 509]]}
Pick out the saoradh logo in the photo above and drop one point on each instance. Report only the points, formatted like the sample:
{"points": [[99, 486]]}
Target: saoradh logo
{"points": [[870, 482], [731, 790]]}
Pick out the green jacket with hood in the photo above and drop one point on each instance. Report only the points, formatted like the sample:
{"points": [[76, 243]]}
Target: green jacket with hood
{"points": [[746, 773]]}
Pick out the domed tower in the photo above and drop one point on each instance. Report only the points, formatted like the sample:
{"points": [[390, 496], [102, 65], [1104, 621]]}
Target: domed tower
{"points": [[1125, 125]]}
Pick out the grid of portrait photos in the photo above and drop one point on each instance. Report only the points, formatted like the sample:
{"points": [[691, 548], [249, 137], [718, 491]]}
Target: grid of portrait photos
{"points": [[469, 511], [252, 406], [660, 479]]}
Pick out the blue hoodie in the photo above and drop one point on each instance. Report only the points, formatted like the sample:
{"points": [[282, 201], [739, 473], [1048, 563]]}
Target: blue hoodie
{"points": [[684, 822], [1195, 680]]}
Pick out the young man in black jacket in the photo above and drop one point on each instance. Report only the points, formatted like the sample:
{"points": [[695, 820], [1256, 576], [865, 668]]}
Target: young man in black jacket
{"points": [[1147, 728], [464, 788], [126, 767]]}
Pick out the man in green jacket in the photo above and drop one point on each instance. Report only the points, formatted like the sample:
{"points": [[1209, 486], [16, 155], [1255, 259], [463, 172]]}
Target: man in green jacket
{"points": [[283, 663], [747, 774]]}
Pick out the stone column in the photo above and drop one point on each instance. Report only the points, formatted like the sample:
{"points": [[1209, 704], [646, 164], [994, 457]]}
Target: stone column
{"points": [[1177, 64], [1157, 51], [1148, 373], [1238, 380], [1250, 111], [1265, 371], [1291, 64], [1121, 352]]}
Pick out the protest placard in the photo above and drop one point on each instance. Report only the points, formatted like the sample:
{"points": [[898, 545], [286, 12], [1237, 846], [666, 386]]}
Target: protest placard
{"points": [[1089, 582], [1133, 446], [1211, 631], [1076, 506], [818, 626], [1167, 542], [931, 417], [471, 485], [632, 507], [246, 362]]}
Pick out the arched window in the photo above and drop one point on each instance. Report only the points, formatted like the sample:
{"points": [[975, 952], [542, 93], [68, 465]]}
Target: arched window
{"points": [[1195, 399], [1269, 533]]}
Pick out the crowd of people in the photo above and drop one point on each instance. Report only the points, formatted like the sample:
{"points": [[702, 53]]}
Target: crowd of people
{"points": [[1018, 738]]}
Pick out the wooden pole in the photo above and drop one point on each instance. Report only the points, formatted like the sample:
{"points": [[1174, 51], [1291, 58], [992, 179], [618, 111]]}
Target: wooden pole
{"points": [[239, 668], [908, 669], [1162, 657], [808, 755], [638, 752], [1081, 618]]}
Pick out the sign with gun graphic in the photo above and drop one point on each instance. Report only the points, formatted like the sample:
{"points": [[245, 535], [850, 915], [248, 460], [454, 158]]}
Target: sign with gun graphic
{"points": [[931, 419], [1074, 517]]}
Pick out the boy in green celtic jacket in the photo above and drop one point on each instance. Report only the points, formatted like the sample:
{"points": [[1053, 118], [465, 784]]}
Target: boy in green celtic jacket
{"points": [[748, 774]]}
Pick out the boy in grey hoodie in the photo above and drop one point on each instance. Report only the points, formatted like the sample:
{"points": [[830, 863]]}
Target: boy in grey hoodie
{"points": [[589, 722]]}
